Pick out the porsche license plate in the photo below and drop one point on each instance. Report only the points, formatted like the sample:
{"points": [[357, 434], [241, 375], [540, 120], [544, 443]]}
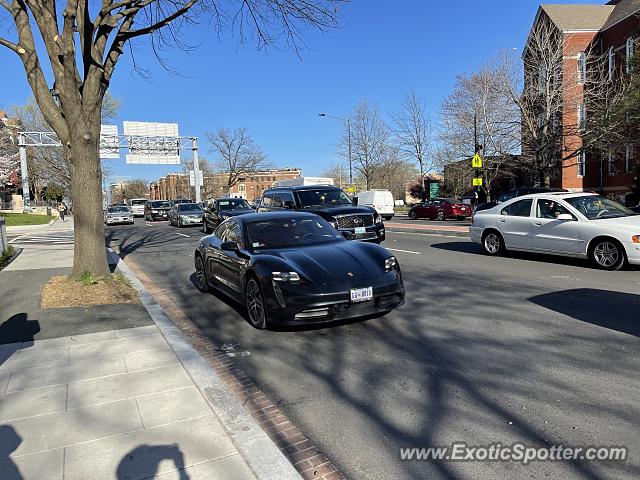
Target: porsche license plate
{"points": [[361, 294], [361, 231]]}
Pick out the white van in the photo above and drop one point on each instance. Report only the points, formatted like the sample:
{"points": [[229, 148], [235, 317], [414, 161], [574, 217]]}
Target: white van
{"points": [[136, 205], [381, 200]]}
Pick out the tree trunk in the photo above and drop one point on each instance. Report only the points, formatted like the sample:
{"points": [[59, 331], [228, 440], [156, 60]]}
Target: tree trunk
{"points": [[86, 183]]}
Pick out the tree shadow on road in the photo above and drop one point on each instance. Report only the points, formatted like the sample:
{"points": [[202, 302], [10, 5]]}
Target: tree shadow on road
{"points": [[18, 328], [9, 442], [613, 310], [144, 462]]}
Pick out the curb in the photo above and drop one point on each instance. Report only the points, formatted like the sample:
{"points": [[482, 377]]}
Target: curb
{"points": [[261, 454], [16, 252]]}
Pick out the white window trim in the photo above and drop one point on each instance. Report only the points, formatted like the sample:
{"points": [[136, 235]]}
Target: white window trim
{"points": [[628, 159], [629, 53], [582, 117], [582, 67], [611, 168], [612, 62], [582, 164]]}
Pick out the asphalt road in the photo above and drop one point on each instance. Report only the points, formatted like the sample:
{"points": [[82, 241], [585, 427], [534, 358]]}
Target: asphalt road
{"points": [[539, 350]]}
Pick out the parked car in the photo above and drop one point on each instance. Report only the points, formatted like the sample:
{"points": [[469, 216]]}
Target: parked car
{"points": [[380, 200], [157, 210], [218, 210], [136, 205], [184, 214], [516, 192], [118, 214], [294, 268], [177, 201], [332, 204], [440, 209], [580, 225]]}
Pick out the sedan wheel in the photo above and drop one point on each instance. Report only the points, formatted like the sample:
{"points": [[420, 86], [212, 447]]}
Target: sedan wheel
{"points": [[440, 215], [201, 275], [493, 244], [607, 255], [255, 304], [412, 215]]}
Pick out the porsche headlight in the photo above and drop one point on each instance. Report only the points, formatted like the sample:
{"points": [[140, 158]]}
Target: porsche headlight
{"points": [[378, 219], [390, 263], [285, 277]]}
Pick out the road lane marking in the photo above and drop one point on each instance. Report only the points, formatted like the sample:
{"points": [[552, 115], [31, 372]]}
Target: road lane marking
{"points": [[429, 235], [404, 251], [183, 235]]}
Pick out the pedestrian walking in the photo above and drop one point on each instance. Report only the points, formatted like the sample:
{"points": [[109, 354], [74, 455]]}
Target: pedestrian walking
{"points": [[61, 210]]}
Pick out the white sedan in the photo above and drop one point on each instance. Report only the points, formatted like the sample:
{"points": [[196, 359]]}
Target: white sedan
{"points": [[581, 225]]}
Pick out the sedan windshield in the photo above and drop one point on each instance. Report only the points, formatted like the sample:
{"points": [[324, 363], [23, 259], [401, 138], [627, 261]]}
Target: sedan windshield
{"points": [[596, 207], [117, 210], [323, 198], [290, 232], [139, 201], [190, 209], [233, 204], [160, 205]]}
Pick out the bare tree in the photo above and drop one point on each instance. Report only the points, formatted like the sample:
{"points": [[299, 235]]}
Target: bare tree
{"points": [[394, 173], [477, 107], [9, 159], [369, 138], [82, 43], [239, 154], [412, 133], [339, 172], [134, 188]]}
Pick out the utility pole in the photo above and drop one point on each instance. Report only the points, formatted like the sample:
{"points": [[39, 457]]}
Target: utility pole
{"points": [[24, 174], [477, 149], [350, 164], [196, 168]]}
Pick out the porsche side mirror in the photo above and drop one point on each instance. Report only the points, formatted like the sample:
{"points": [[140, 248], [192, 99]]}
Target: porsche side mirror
{"points": [[229, 247], [565, 217]]}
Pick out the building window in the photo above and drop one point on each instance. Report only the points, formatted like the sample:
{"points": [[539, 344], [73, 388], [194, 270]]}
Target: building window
{"points": [[611, 167], [582, 161], [542, 78], [612, 62], [628, 159], [582, 67], [582, 117], [629, 53], [242, 187], [541, 120]]}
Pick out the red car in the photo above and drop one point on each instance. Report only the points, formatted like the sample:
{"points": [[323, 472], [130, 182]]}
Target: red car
{"points": [[440, 209]]}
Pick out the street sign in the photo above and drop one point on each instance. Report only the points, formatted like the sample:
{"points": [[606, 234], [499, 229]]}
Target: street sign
{"points": [[476, 162], [351, 190], [109, 147], [434, 189], [477, 182], [152, 143]]}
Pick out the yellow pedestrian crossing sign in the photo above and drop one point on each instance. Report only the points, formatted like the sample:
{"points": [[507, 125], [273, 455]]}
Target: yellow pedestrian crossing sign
{"points": [[476, 162], [477, 182]]}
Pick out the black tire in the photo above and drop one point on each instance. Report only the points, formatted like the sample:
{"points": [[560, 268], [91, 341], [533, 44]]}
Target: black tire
{"points": [[254, 302], [202, 282], [178, 223], [607, 254], [493, 243], [460, 219], [413, 215], [441, 216], [387, 218], [205, 228]]}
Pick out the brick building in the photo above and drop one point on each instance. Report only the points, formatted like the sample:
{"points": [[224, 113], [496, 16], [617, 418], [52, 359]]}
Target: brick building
{"points": [[609, 32], [250, 187]]}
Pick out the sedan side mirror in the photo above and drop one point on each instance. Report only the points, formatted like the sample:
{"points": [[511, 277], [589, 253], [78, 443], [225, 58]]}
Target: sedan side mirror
{"points": [[229, 247], [565, 217]]}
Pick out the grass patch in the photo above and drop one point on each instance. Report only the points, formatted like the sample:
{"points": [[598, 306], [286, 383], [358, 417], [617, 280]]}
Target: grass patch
{"points": [[15, 219], [87, 291], [6, 255]]}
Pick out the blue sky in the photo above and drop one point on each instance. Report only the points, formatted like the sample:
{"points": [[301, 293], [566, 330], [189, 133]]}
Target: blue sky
{"points": [[382, 50]]}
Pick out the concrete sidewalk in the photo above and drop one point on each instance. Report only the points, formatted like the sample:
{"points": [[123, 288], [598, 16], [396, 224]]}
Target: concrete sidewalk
{"points": [[114, 396]]}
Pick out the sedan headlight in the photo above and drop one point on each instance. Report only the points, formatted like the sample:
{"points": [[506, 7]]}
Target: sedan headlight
{"points": [[378, 219], [285, 277], [390, 263], [154, 211]]}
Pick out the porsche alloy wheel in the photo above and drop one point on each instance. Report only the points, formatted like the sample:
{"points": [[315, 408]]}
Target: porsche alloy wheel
{"points": [[201, 275], [255, 304]]}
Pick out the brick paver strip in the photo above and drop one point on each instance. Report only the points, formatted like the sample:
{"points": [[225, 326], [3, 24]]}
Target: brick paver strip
{"points": [[306, 458], [444, 228]]}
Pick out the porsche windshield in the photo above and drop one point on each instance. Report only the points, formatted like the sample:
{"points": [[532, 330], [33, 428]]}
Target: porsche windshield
{"points": [[595, 207], [233, 204], [323, 198], [290, 232]]}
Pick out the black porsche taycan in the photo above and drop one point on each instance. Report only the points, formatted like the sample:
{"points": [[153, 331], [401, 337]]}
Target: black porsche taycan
{"points": [[296, 268]]}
